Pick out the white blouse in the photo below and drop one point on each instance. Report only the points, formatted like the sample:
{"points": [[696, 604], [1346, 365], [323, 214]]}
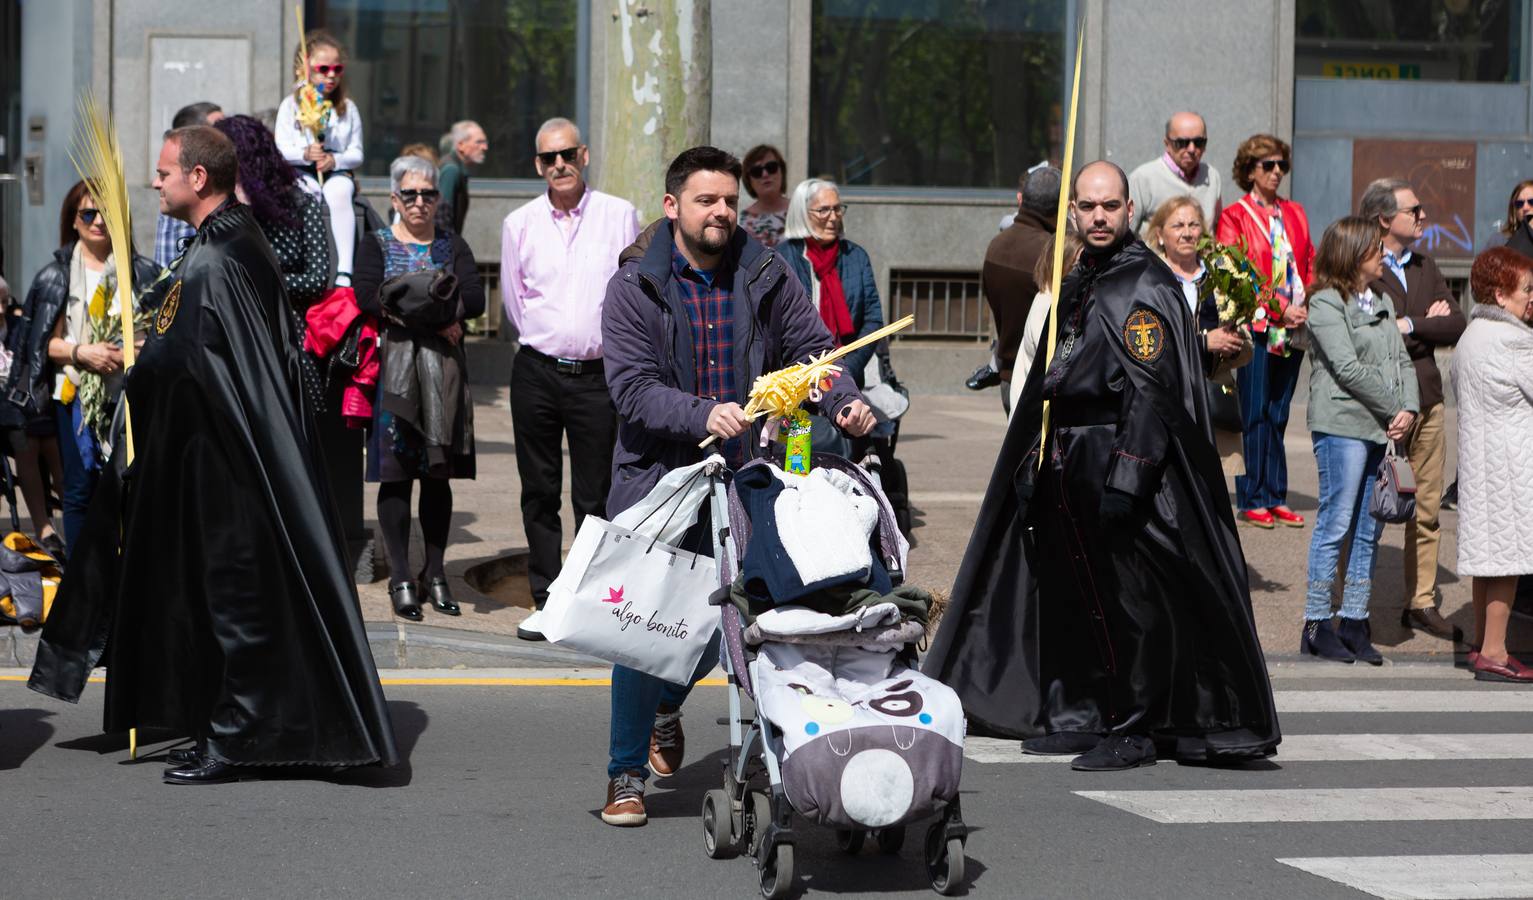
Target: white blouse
{"points": [[343, 139]]}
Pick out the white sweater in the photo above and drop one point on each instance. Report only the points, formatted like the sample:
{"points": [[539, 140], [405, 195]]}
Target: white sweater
{"points": [[1154, 183], [343, 138]]}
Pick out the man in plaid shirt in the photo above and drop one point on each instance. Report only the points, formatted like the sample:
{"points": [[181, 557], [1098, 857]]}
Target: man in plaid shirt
{"points": [[689, 322]]}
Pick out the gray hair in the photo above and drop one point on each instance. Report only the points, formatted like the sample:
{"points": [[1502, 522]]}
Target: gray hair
{"points": [[1379, 198], [557, 123], [462, 130], [796, 222], [410, 165], [1040, 192]]}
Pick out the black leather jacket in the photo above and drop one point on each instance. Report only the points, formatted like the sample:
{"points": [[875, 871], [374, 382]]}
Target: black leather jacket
{"points": [[27, 389]]}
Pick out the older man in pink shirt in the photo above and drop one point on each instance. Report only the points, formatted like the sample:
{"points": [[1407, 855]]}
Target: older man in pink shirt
{"points": [[557, 254]]}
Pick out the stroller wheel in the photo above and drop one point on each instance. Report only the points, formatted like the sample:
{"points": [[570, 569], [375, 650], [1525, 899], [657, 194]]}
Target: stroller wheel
{"points": [[758, 814], [944, 860], [777, 872], [718, 835], [890, 840], [850, 840]]}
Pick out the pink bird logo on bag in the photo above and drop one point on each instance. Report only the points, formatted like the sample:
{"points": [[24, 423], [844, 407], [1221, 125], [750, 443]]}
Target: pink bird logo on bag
{"points": [[614, 596]]}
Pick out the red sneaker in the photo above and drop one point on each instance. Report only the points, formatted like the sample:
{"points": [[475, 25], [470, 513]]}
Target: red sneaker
{"points": [[1258, 517], [1287, 516]]}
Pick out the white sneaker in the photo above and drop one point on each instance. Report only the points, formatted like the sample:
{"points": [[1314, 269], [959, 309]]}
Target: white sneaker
{"points": [[531, 628]]}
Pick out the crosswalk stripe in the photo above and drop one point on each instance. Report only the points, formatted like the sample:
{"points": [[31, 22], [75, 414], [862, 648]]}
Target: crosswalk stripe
{"points": [[1323, 748], [1490, 804], [1512, 700], [1470, 877]]}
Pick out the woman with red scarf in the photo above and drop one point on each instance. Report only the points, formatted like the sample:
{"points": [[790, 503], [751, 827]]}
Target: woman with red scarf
{"points": [[835, 272]]}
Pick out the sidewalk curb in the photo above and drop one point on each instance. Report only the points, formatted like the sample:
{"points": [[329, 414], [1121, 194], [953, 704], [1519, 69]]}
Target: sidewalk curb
{"points": [[397, 645]]}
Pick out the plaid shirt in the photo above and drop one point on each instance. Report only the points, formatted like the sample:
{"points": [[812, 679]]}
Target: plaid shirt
{"points": [[708, 298], [168, 235]]}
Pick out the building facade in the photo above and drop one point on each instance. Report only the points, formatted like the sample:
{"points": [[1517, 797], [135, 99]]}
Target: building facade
{"points": [[926, 110]]}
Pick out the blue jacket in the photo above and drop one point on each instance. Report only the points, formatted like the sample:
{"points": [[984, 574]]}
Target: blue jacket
{"points": [[857, 283], [647, 354]]}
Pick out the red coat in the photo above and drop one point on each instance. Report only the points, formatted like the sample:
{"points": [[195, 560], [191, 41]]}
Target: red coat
{"points": [[1237, 226]]}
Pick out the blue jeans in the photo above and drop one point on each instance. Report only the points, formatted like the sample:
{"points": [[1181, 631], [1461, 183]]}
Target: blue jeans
{"points": [[1347, 469], [635, 699], [1266, 388], [79, 476]]}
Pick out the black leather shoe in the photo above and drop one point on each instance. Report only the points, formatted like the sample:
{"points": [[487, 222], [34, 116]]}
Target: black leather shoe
{"points": [[441, 597], [182, 756], [1115, 752], [1061, 743], [1432, 622], [205, 770], [984, 377], [1356, 636], [1319, 639], [406, 599]]}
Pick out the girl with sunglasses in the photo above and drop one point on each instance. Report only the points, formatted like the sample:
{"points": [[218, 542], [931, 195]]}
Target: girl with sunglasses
{"points": [[1275, 234], [1518, 226], [766, 177], [325, 161]]}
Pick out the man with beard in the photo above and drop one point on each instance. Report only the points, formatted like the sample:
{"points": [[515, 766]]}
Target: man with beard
{"points": [[1102, 607], [212, 572], [689, 323]]}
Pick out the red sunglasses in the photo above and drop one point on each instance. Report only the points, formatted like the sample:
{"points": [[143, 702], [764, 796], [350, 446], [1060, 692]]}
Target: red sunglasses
{"points": [[336, 69]]}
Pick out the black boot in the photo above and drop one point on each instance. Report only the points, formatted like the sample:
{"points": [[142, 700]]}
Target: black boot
{"points": [[406, 599], [1320, 640], [1355, 635]]}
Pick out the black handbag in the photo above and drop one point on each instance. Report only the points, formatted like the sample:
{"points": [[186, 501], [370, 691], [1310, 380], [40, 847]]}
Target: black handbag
{"points": [[1223, 406], [1394, 490]]}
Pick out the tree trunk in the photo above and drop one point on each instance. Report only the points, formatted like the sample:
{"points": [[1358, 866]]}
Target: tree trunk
{"points": [[659, 83]]}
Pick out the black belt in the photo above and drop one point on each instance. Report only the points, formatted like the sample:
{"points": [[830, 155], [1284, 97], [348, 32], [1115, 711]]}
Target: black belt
{"points": [[565, 366]]}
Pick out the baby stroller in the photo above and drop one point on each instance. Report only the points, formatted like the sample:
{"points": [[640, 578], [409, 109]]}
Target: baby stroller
{"points": [[843, 734]]}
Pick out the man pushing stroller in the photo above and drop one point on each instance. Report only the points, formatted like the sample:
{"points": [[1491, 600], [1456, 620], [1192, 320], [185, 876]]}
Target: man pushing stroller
{"points": [[689, 322]]}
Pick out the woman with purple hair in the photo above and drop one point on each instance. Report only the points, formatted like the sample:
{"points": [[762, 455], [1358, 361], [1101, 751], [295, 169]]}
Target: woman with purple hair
{"points": [[292, 220]]}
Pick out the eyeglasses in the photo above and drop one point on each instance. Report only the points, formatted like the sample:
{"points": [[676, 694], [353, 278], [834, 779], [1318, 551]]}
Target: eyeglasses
{"points": [[1521, 203], [335, 70], [89, 216], [826, 212], [568, 154], [1183, 143], [1415, 212], [1267, 165], [409, 198], [766, 168]]}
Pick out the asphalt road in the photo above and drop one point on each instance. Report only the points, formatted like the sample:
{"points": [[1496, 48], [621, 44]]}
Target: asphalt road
{"points": [[500, 796]]}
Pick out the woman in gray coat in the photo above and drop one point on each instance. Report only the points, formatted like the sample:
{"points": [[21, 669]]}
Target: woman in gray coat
{"points": [[1362, 392]]}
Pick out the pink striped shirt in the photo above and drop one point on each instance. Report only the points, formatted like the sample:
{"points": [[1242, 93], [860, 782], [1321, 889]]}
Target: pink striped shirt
{"points": [[554, 269]]}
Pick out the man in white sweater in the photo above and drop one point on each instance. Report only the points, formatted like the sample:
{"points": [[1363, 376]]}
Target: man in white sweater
{"points": [[1179, 171]]}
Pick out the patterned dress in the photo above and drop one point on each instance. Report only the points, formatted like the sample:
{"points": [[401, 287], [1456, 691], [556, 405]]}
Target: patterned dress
{"points": [[764, 227]]}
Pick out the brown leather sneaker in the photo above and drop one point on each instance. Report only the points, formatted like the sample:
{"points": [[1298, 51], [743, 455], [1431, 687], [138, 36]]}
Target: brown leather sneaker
{"points": [[625, 801], [1432, 622], [667, 744]]}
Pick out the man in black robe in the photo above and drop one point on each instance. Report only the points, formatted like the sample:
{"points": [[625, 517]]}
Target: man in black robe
{"points": [[1102, 607], [210, 578]]}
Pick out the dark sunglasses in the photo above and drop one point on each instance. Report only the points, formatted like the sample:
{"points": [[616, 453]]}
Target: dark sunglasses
{"points": [[336, 69], [1415, 212], [1182, 143], [89, 216], [408, 198], [568, 154], [1267, 165], [1521, 203], [766, 168]]}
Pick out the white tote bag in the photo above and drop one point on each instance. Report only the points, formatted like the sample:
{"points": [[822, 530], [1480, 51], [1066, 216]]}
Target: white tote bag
{"points": [[627, 597]]}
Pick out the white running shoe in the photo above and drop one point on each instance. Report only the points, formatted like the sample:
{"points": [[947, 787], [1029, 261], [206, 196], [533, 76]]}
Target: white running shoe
{"points": [[531, 628]]}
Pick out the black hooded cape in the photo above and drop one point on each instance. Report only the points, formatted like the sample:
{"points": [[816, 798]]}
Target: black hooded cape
{"points": [[1060, 623], [210, 577]]}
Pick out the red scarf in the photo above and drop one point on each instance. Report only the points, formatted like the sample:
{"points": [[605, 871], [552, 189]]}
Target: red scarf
{"points": [[833, 309]]}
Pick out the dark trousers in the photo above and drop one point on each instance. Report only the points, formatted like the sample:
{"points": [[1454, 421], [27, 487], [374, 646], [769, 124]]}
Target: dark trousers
{"points": [[546, 406], [1266, 388], [79, 478]]}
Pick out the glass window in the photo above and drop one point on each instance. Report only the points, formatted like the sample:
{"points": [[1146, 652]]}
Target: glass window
{"points": [[950, 93], [1432, 40], [417, 66]]}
